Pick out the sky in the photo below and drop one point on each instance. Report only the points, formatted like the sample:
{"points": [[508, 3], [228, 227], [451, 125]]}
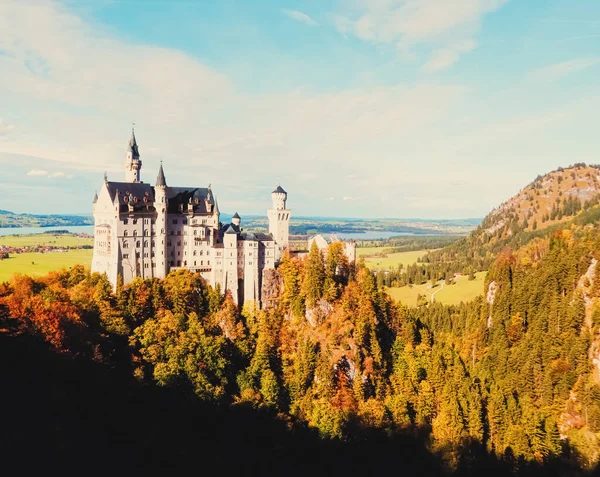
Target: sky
{"points": [[434, 109]]}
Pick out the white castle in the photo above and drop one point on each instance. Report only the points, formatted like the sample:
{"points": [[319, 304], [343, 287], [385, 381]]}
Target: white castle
{"points": [[145, 231]]}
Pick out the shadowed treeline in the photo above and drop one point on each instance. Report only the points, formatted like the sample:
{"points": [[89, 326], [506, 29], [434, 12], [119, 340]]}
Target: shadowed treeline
{"points": [[61, 413]]}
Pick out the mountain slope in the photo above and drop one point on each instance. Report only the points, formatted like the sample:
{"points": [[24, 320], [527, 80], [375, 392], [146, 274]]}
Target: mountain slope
{"points": [[556, 200]]}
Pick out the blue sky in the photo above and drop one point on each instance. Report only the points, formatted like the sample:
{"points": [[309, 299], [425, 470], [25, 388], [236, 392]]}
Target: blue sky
{"points": [[359, 108]]}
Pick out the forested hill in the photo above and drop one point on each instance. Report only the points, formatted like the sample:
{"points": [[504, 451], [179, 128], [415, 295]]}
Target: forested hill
{"points": [[556, 200], [11, 219]]}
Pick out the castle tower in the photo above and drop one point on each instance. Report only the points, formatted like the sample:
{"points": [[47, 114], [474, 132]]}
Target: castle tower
{"points": [[279, 221], [236, 220], [160, 204], [133, 164]]}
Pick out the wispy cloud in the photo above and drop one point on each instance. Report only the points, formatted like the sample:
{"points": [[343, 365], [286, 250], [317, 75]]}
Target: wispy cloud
{"points": [[37, 172], [448, 26], [5, 128], [300, 17], [446, 57], [559, 70]]}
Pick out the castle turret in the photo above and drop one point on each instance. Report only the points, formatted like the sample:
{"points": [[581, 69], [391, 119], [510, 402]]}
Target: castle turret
{"points": [[133, 163], [160, 204], [279, 221], [236, 220]]}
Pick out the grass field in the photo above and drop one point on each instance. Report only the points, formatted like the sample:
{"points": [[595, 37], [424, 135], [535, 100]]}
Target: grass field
{"points": [[59, 240], [462, 290], [392, 260], [36, 264]]}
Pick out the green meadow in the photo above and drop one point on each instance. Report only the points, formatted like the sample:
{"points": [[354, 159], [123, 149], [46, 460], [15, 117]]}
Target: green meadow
{"points": [[392, 260], [462, 290], [36, 264]]}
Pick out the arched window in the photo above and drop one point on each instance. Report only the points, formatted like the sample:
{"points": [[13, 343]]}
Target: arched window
{"points": [[125, 233], [135, 233], [137, 244]]}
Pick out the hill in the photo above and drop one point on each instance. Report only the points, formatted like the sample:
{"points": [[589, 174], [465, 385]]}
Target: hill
{"points": [[11, 219], [559, 199]]}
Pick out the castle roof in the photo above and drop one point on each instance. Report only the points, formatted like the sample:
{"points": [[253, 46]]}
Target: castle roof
{"points": [[197, 196], [279, 190], [259, 236], [160, 180], [132, 146], [137, 194], [236, 216]]}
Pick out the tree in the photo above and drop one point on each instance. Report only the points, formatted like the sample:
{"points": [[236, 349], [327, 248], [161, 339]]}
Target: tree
{"points": [[314, 276]]}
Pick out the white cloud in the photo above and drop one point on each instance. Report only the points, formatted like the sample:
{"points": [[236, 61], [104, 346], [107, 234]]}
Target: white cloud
{"points": [[300, 17], [5, 128], [559, 70], [37, 173], [446, 57], [448, 26]]}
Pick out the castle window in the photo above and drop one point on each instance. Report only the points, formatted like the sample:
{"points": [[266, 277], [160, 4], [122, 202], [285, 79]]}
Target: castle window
{"points": [[175, 221], [125, 233], [135, 233], [201, 262], [146, 255], [201, 252], [178, 253], [195, 232], [125, 221], [125, 255], [169, 243], [185, 242], [145, 243], [179, 232], [162, 231], [134, 221], [125, 244], [208, 252], [171, 263], [249, 263], [185, 263], [172, 232], [184, 221], [179, 263], [137, 254], [137, 244], [194, 253], [208, 262], [146, 221], [153, 221], [152, 255], [153, 244], [179, 243], [146, 232]]}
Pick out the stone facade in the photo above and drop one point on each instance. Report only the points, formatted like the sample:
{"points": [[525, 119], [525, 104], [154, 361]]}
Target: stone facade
{"points": [[146, 231], [323, 242]]}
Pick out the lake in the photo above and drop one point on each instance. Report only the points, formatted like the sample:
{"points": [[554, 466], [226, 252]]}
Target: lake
{"points": [[376, 234], [78, 229], [89, 229]]}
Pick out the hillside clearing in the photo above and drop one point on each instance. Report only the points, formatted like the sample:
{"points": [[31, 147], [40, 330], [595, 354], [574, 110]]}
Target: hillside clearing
{"points": [[462, 290]]}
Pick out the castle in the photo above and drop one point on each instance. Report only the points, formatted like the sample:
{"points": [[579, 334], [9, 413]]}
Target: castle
{"points": [[147, 231]]}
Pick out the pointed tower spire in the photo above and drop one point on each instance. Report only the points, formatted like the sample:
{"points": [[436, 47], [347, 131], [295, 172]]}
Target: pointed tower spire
{"points": [[217, 207], [160, 180], [133, 147], [95, 197]]}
